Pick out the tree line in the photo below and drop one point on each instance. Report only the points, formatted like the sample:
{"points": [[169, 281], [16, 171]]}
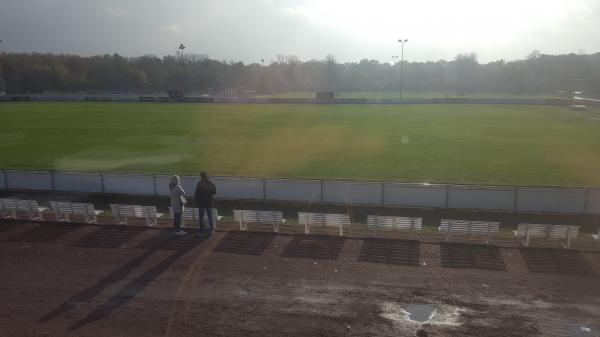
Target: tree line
{"points": [[535, 74]]}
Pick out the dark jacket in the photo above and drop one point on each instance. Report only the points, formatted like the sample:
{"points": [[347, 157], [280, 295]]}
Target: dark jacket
{"points": [[204, 193]]}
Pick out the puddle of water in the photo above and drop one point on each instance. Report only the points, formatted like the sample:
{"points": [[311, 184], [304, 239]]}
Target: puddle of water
{"points": [[412, 316], [420, 312], [580, 331]]}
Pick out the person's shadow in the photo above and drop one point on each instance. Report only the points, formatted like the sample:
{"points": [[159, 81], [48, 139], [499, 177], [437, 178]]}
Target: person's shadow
{"points": [[180, 245]]}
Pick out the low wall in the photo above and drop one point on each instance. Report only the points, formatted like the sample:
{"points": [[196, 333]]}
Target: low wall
{"points": [[40, 180], [415, 195], [482, 197], [558, 200], [2, 180], [81, 182], [352, 192], [161, 98], [492, 198], [135, 184], [293, 190]]}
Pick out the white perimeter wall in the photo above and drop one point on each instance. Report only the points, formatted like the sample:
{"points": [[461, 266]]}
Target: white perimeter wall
{"points": [[479, 197], [293, 190], [78, 182], [414, 195], [129, 184], [29, 180], [519, 199]]}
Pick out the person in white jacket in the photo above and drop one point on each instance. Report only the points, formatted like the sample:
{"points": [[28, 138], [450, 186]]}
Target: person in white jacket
{"points": [[177, 203]]}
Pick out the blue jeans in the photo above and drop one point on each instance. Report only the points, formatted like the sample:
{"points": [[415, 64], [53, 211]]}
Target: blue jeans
{"points": [[177, 221], [211, 226]]}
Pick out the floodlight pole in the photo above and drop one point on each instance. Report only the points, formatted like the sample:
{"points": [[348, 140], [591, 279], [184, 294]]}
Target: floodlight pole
{"points": [[181, 48], [401, 63]]}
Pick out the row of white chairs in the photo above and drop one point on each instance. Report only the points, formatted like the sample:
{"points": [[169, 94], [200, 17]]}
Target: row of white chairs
{"points": [[453, 228], [10, 207], [65, 210]]}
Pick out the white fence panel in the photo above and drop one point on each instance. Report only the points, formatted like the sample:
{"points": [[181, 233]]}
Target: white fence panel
{"points": [[481, 197], [415, 195], [239, 188], [351, 192], [162, 185], [593, 203], [293, 190], [78, 182], [551, 200], [29, 180], [188, 183], [528, 199], [137, 184]]}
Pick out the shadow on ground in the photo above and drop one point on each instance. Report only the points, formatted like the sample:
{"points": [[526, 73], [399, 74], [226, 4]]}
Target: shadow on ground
{"points": [[9, 226], [47, 232], [109, 237], [160, 241]]}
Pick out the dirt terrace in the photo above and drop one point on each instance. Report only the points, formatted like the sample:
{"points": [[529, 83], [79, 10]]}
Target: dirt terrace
{"points": [[83, 280]]}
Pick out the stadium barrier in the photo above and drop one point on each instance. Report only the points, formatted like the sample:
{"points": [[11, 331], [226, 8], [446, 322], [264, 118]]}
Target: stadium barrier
{"points": [[558, 200], [2, 180], [294, 190], [558, 101], [453, 100], [163, 99], [353, 192], [480, 197], [415, 195], [469, 197], [81, 182], [592, 205], [37, 180]]}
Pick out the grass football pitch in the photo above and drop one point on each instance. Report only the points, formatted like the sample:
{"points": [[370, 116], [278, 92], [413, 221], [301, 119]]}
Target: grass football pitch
{"points": [[482, 144]]}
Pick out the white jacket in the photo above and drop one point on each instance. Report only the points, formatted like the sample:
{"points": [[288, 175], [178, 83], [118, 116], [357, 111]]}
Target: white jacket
{"points": [[176, 193]]}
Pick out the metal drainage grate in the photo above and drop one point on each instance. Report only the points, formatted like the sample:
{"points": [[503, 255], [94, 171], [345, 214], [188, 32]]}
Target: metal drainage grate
{"points": [[314, 247], [552, 260], [457, 255], [400, 252], [247, 243]]}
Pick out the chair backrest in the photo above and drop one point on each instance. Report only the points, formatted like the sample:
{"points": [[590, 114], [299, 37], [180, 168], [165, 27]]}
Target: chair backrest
{"points": [[553, 232], [379, 222], [258, 217], [8, 204], [72, 207], [19, 205], [136, 211], [324, 219], [469, 227], [193, 213]]}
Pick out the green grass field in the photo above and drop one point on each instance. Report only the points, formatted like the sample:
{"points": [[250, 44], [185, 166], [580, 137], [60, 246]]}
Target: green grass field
{"points": [[484, 144]]}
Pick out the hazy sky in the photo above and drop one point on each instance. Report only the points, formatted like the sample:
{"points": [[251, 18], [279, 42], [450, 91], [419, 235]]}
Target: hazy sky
{"points": [[244, 30]]}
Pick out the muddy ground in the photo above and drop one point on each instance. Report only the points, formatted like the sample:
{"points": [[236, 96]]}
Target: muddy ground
{"points": [[85, 280]]}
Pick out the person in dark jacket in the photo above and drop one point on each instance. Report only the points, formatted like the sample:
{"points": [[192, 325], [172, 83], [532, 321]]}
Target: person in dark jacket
{"points": [[204, 199]]}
